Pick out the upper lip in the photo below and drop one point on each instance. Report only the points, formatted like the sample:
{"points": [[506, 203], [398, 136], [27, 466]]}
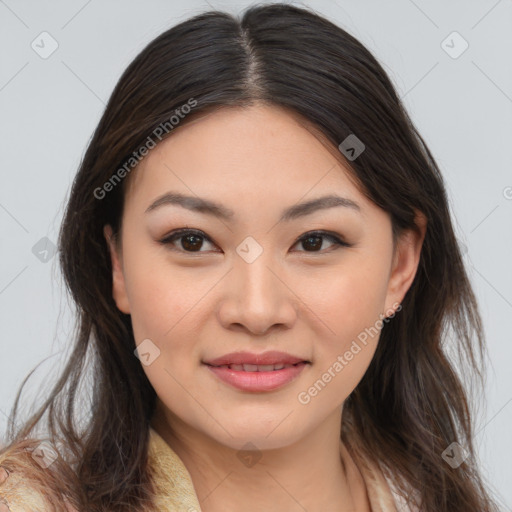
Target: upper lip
{"points": [[272, 357]]}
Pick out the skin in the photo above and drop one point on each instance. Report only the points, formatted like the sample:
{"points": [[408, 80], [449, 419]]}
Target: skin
{"points": [[308, 301]]}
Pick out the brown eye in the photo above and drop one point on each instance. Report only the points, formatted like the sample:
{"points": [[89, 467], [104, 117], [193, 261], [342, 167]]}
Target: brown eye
{"points": [[314, 241], [191, 240]]}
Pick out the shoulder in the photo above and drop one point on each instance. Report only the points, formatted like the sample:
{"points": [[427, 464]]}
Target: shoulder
{"points": [[27, 483]]}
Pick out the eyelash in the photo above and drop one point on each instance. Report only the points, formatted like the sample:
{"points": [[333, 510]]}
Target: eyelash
{"points": [[181, 233]]}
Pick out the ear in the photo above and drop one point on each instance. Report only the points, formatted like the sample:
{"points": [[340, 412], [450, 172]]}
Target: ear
{"points": [[118, 283], [405, 263]]}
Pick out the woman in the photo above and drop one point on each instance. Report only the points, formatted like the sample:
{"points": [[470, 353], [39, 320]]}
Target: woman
{"points": [[260, 248]]}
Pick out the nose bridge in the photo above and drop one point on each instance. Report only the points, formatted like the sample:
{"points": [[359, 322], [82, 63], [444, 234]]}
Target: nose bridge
{"points": [[259, 299], [252, 269]]}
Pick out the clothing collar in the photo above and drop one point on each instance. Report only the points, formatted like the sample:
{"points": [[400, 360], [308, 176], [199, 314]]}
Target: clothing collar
{"points": [[176, 493]]}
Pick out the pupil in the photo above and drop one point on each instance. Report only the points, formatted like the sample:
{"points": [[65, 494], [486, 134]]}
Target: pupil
{"points": [[193, 245], [317, 238]]}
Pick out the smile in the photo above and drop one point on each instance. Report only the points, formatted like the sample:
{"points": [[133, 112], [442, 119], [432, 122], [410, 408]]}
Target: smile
{"points": [[255, 367], [257, 378]]}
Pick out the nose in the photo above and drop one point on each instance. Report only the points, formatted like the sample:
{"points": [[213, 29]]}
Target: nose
{"points": [[257, 297]]}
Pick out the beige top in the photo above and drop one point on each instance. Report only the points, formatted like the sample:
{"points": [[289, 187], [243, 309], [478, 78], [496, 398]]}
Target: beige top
{"points": [[175, 490]]}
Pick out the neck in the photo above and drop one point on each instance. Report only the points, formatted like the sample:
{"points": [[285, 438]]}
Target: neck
{"points": [[315, 474]]}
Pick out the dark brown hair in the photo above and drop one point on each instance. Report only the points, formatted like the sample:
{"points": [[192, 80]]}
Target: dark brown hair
{"points": [[411, 404]]}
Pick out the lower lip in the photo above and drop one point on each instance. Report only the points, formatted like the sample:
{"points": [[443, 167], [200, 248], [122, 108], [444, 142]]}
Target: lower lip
{"points": [[258, 381]]}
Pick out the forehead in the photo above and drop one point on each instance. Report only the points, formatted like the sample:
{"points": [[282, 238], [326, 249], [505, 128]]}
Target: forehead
{"points": [[262, 149]]}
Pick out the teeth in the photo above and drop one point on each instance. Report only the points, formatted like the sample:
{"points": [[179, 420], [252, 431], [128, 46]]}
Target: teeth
{"points": [[255, 367]]}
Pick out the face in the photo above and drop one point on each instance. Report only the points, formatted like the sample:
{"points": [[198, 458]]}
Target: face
{"points": [[310, 283]]}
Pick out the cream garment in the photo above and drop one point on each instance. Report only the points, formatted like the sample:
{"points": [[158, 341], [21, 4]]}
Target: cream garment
{"points": [[175, 490]]}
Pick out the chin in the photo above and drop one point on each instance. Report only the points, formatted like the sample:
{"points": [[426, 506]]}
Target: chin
{"points": [[262, 437]]}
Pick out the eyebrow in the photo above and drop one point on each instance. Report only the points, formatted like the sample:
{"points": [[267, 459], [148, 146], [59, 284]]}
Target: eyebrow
{"points": [[209, 207]]}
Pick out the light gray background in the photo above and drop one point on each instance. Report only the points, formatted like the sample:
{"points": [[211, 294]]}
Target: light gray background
{"points": [[49, 108]]}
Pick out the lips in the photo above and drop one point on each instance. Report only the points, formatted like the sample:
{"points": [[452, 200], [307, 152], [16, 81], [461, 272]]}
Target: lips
{"points": [[250, 362], [255, 367], [257, 373]]}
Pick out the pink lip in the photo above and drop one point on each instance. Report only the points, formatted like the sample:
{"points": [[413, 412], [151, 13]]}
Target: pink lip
{"points": [[271, 357], [258, 381]]}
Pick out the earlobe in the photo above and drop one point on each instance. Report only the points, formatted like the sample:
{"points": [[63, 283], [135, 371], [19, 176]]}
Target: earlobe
{"points": [[405, 262], [118, 283]]}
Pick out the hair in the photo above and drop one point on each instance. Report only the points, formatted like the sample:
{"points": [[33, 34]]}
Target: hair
{"points": [[411, 403]]}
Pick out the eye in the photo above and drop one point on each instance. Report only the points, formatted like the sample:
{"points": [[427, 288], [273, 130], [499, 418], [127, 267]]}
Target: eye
{"points": [[192, 240], [314, 239]]}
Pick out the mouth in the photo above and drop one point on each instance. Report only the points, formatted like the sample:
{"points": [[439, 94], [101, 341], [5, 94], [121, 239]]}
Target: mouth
{"points": [[257, 367], [257, 372], [272, 360]]}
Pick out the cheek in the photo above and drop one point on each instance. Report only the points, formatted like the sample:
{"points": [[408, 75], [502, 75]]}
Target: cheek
{"points": [[164, 307], [349, 298], [161, 296], [347, 305]]}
